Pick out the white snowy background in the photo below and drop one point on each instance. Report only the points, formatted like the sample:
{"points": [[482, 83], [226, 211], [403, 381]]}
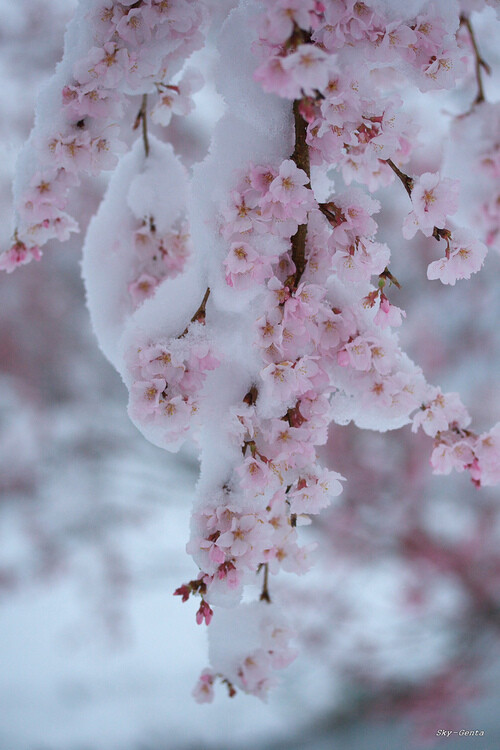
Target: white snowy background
{"points": [[95, 652]]}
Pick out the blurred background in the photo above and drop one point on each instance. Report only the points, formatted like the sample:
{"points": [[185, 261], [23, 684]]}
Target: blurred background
{"points": [[399, 622]]}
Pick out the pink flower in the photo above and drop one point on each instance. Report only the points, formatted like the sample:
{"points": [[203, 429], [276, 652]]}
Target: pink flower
{"points": [[107, 64], [466, 256], [71, 152], [261, 177], [433, 200], [487, 450], [255, 674], [309, 68], [277, 79], [269, 329], [18, 255], [315, 492], [245, 267], [133, 27], [446, 457], [280, 380], [158, 360], [239, 215], [288, 185], [357, 354], [176, 413], [254, 474], [443, 411], [247, 532], [146, 396], [176, 100], [203, 691], [143, 288], [388, 315], [281, 17]]}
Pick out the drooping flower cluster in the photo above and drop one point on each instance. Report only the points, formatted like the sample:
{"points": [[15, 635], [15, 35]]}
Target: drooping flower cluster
{"points": [[445, 419], [355, 122], [297, 331], [323, 330], [113, 50], [250, 666], [167, 380]]}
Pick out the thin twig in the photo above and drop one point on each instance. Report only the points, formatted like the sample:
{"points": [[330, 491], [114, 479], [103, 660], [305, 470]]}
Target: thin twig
{"points": [[199, 316], [405, 179], [479, 61], [265, 597], [142, 117]]}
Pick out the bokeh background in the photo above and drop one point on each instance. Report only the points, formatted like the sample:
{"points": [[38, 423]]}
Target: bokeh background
{"points": [[398, 623]]}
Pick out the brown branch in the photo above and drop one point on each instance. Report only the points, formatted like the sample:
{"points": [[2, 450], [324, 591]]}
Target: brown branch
{"points": [[199, 315], [142, 117], [479, 61], [405, 179], [301, 158], [265, 597]]}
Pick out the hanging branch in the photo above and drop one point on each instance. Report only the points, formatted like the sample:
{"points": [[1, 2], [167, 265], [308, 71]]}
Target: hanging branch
{"points": [[405, 179], [479, 61]]}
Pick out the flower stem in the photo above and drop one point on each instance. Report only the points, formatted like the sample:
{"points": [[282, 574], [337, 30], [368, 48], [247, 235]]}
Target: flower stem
{"points": [[265, 597], [142, 117]]}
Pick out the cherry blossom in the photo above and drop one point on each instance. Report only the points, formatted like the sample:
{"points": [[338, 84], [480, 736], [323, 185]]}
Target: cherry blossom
{"points": [[433, 200], [250, 303]]}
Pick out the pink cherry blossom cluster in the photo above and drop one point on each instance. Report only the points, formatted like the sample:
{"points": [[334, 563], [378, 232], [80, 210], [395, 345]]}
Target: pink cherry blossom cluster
{"points": [[445, 419], [305, 345], [433, 200], [156, 258], [303, 279], [321, 318], [354, 123], [252, 670], [308, 342], [168, 378], [132, 46]]}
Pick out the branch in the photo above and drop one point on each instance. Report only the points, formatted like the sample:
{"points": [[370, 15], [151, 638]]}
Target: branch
{"points": [[301, 158], [479, 61], [265, 597], [199, 316], [142, 117], [405, 179]]}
